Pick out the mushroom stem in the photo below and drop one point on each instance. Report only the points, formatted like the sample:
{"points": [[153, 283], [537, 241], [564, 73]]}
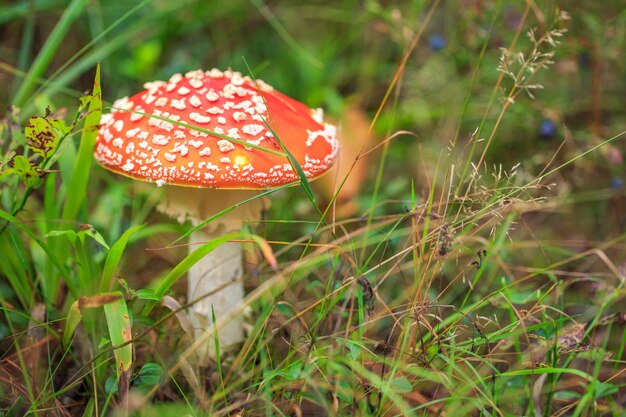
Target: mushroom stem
{"points": [[216, 281]]}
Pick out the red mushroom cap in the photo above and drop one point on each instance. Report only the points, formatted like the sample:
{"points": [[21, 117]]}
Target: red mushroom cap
{"points": [[194, 131]]}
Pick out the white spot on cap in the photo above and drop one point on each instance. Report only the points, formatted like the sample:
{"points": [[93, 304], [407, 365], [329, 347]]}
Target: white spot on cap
{"points": [[160, 183], [118, 142], [252, 129], [205, 152], [118, 125], [237, 79], [195, 101], [183, 91], [160, 140], [239, 116], [106, 119], [198, 118], [234, 133], [128, 166], [244, 104], [179, 104], [161, 102], [137, 116], [198, 134], [174, 79], [170, 157], [212, 96], [196, 83], [179, 147], [215, 73], [196, 143], [195, 74], [211, 166], [214, 110], [225, 146], [318, 115], [123, 103], [221, 120], [154, 85], [132, 132]]}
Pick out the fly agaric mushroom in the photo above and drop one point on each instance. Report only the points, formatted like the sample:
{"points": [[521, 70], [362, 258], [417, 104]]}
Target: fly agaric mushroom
{"points": [[205, 136]]}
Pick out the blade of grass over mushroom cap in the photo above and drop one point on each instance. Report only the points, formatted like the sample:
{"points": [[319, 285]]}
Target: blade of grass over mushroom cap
{"points": [[199, 129], [294, 163], [292, 160]]}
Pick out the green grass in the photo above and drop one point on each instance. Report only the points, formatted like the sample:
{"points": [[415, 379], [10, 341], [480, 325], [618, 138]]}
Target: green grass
{"points": [[472, 265]]}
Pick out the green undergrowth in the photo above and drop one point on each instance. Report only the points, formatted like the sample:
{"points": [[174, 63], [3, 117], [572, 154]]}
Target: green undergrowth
{"points": [[477, 270]]}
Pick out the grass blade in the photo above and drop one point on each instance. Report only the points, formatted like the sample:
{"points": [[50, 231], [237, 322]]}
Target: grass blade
{"points": [[114, 256], [71, 322], [75, 315], [80, 175], [48, 51], [118, 322]]}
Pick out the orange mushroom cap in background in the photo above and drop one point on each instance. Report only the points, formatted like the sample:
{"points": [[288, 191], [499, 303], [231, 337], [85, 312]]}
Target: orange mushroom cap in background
{"points": [[170, 148]]}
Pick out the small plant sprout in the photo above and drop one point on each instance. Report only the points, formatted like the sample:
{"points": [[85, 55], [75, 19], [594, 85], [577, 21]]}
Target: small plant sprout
{"points": [[213, 140]]}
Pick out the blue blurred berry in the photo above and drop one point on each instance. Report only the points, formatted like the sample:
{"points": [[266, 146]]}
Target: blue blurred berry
{"points": [[437, 42], [547, 129], [584, 59], [616, 183]]}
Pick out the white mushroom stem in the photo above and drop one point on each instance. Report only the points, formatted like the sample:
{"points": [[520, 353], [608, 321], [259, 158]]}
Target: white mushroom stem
{"points": [[215, 281]]}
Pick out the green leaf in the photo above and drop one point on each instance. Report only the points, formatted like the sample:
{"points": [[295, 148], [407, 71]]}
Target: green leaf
{"points": [[354, 349], [110, 385], [77, 187], [43, 134], [71, 322], [103, 342], [147, 294], [604, 389], [149, 375], [88, 230], [29, 173], [118, 322], [566, 395], [6, 158], [114, 257], [401, 385], [70, 234], [21, 164], [75, 315]]}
